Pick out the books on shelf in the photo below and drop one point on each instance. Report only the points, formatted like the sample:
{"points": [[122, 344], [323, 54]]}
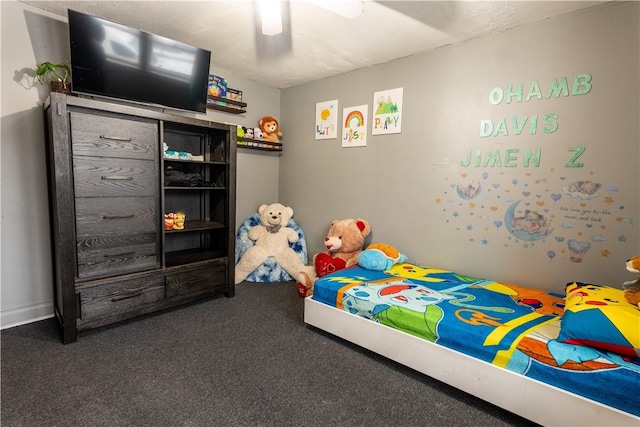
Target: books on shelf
{"points": [[234, 95], [218, 88]]}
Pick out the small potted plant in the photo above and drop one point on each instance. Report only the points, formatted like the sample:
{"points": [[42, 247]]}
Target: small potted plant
{"points": [[55, 74]]}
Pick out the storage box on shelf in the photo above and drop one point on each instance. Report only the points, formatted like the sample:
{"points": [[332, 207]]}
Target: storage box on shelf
{"points": [[112, 258]]}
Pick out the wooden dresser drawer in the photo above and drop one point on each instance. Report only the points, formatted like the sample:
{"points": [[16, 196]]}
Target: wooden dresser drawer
{"points": [[188, 282], [105, 136], [111, 256], [100, 177], [115, 216], [121, 297]]}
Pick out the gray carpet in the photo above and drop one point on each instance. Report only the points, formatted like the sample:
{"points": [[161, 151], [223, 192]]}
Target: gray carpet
{"points": [[243, 361]]}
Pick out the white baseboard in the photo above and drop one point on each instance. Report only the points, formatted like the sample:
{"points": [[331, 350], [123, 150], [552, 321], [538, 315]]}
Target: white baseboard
{"points": [[23, 315]]}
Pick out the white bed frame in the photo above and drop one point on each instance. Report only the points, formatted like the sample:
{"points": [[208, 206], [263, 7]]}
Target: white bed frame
{"points": [[529, 398]]}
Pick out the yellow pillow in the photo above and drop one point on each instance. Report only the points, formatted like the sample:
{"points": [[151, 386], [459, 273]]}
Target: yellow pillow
{"points": [[599, 316]]}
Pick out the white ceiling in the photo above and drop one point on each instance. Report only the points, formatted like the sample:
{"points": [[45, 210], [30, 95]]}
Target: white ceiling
{"points": [[317, 43]]}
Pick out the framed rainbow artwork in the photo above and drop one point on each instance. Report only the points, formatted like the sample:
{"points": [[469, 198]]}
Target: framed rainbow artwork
{"points": [[354, 129]]}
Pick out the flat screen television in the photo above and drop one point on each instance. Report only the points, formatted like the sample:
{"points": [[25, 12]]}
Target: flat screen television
{"points": [[114, 61]]}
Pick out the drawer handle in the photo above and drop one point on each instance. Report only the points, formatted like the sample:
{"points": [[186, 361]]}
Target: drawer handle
{"points": [[115, 138], [119, 255], [117, 178], [120, 298], [117, 216]]}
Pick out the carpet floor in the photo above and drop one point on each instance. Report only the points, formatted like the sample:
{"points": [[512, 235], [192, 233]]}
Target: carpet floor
{"points": [[249, 360]]}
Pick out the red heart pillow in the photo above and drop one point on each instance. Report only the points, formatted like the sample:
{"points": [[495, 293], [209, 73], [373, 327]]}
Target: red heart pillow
{"points": [[325, 264]]}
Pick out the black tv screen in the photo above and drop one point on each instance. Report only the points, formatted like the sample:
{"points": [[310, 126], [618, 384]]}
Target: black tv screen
{"points": [[114, 61]]}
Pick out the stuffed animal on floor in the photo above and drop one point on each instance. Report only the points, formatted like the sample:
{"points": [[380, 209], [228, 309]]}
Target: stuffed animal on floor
{"points": [[380, 257], [270, 128], [272, 238], [344, 242], [632, 288]]}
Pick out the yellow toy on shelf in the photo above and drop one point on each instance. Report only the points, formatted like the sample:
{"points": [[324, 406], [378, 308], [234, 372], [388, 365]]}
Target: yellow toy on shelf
{"points": [[179, 218], [174, 221]]}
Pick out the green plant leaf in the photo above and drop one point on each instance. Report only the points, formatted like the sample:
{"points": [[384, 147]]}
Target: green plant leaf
{"points": [[48, 71], [42, 68]]}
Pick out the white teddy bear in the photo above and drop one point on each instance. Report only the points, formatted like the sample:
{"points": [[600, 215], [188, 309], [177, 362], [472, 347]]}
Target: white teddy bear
{"points": [[272, 238]]}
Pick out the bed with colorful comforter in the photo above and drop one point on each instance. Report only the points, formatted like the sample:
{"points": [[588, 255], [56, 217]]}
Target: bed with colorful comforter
{"points": [[585, 341]]}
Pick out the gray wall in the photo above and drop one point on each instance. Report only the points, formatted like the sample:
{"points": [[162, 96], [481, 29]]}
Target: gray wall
{"points": [[401, 183], [29, 36], [405, 184]]}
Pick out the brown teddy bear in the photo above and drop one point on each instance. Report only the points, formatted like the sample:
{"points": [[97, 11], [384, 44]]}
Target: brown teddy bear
{"points": [[632, 288], [344, 243]]}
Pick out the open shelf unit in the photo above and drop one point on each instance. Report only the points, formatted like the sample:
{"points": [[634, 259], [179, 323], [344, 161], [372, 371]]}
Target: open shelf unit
{"points": [[109, 187], [201, 196]]}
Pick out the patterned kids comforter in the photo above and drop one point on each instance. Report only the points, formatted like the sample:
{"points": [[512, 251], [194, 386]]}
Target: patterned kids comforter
{"points": [[507, 325]]}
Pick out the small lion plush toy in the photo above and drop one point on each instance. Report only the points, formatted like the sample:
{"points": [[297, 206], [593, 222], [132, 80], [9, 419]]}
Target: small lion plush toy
{"points": [[272, 238], [270, 128], [344, 243], [632, 288]]}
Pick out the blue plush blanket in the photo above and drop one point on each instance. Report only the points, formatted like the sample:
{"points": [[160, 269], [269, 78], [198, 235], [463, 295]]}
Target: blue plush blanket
{"points": [[270, 270]]}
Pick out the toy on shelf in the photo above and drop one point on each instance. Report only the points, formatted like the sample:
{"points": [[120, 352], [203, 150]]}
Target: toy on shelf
{"points": [[270, 128], [254, 138], [174, 221], [169, 220], [179, 219]]}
